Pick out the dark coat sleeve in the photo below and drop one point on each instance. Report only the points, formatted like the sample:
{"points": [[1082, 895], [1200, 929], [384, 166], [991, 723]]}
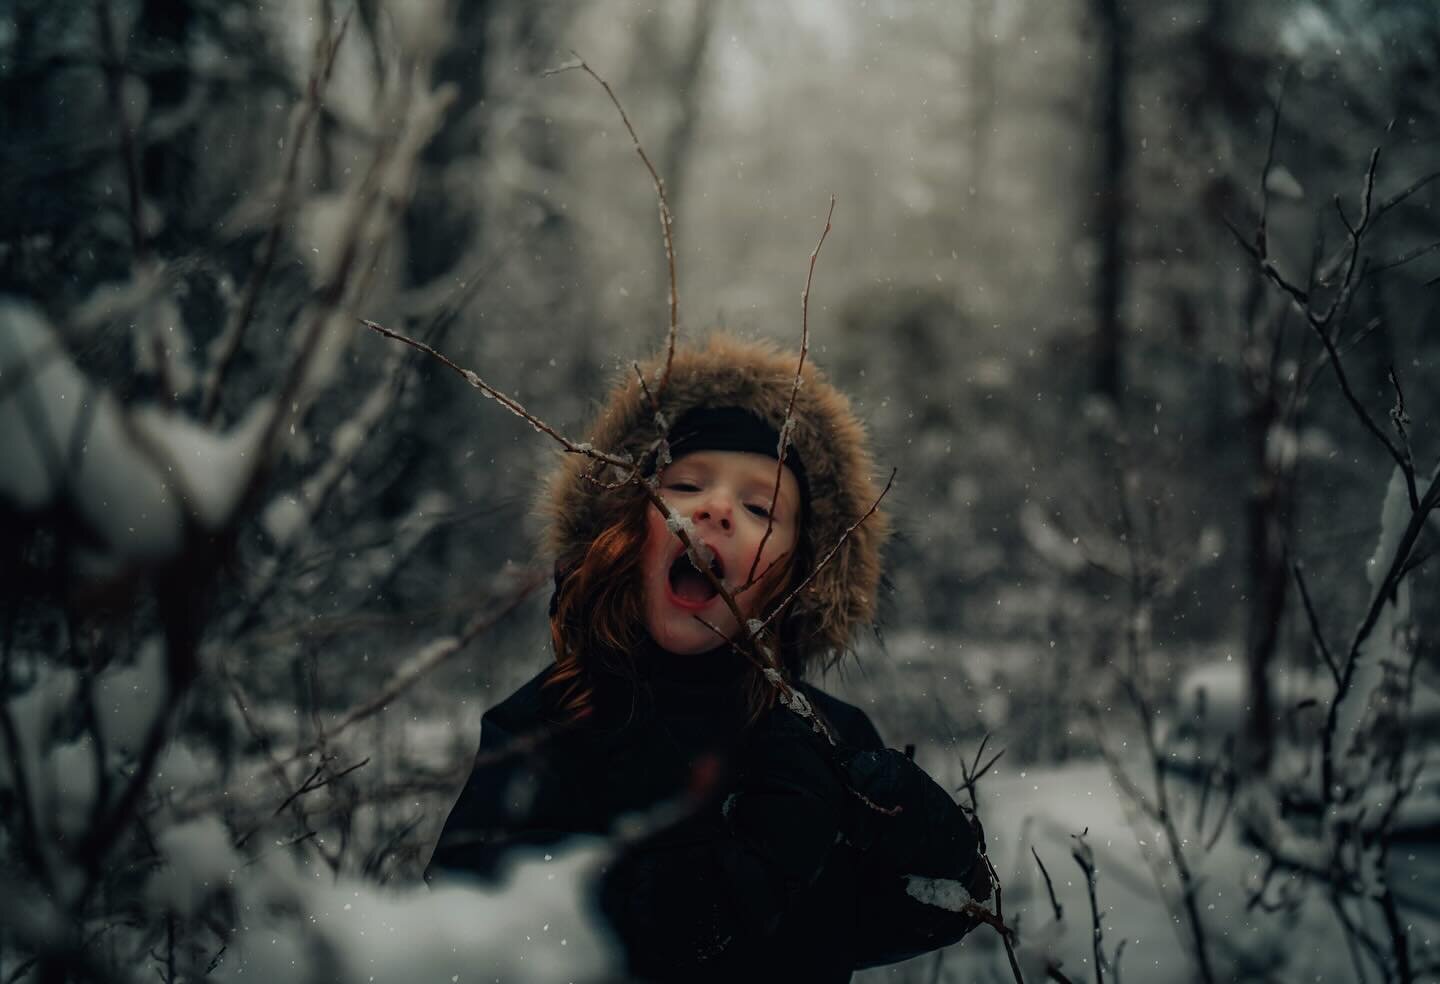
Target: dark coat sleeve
{"points": [[925, 850], [513, 797]]}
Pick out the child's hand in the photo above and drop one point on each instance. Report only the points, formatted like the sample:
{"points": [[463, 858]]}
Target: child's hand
{"points": [[921, 859], [910, 824]]}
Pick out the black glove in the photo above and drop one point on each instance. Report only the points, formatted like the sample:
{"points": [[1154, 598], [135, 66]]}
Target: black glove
{"points": [[920, 858]]}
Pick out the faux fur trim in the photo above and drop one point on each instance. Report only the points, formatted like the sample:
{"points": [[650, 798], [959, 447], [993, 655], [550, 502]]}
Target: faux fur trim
{"points": [[830, 439]]}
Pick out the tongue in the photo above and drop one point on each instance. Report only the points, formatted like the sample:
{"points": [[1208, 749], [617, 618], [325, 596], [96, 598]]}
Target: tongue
{"points": [[690, 585]]}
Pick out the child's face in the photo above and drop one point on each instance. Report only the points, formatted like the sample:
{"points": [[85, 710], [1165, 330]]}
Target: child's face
{"points": [[726, 495]]}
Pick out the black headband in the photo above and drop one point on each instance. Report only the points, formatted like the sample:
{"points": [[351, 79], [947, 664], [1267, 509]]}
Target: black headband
{"points": [[732, 429]]}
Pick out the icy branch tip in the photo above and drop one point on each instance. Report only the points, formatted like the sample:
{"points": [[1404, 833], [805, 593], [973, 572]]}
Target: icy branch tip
{"points": [[568, 66]]}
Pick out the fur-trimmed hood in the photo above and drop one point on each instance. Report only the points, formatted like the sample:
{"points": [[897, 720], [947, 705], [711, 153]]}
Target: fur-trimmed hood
{"points": [[830, 440]]}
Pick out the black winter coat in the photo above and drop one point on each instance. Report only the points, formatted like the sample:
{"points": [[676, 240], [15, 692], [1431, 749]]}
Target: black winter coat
{"points": [[777, 871]]}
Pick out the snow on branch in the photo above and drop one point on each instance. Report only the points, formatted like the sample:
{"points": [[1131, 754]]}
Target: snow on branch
{"points": [[135, 479]]}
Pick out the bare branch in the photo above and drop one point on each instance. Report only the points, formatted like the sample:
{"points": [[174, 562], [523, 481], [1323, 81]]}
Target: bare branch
{"points": [[1268, 267], [826, 559], [505, 401], [1314, 620], [129, 158], [437, 653], [1394, 925], [645, 388], [1261, 230], [996, 921], [1322, 321], [234, 333], [763, 574], [1400, 420], [972, 773], [317, 780], [784, 444], [1086, 860], [1381, 598], [667, 220], [1405, 193], [1049, 886], [1409, 256]]}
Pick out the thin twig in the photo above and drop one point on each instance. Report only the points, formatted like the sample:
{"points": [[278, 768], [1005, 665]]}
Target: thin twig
{"points": [[667, 220], [433, 655], [1409, 256], [316, 781], [114, 79], [838, 544], [1323, 320], [1261, 230], [1400, 420], [1378, 602], [1404, 193], [1049, 886], [1086, 860], [1314, 619], [471, 377], [971, 774], [1007, 935], [1394, 925], [645, 388], [234, 333], [783, 447]]}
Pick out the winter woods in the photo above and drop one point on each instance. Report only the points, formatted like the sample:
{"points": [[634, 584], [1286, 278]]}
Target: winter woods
{"points": [[1136, 300]]}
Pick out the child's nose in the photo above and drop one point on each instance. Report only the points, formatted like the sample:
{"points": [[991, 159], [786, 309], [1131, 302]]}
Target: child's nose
{"points": [[718, 510]]}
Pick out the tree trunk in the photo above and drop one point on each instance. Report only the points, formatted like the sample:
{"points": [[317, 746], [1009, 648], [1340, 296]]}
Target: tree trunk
{"points": [[1111, 206]]}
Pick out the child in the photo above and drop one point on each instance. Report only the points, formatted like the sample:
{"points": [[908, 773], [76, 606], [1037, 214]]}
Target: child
{"points": [[806, 848]]}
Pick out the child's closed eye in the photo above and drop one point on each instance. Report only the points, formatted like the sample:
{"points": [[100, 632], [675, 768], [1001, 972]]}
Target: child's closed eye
{"points": [[682, 487], [758, 509]]}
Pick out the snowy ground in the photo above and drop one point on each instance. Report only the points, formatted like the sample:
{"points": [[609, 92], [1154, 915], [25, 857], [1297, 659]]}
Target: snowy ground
{"points": [[1041, 808]]}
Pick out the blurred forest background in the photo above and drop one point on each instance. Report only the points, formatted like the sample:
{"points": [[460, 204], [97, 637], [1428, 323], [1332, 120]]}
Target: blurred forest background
{"points": [[1094, 267]]}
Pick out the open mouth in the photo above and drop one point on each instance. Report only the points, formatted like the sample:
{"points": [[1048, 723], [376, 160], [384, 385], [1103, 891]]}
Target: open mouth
{"points": [[688, 585]]}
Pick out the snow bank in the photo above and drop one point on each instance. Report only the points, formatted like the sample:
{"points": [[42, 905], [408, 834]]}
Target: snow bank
{"points": [[537, 925]]}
